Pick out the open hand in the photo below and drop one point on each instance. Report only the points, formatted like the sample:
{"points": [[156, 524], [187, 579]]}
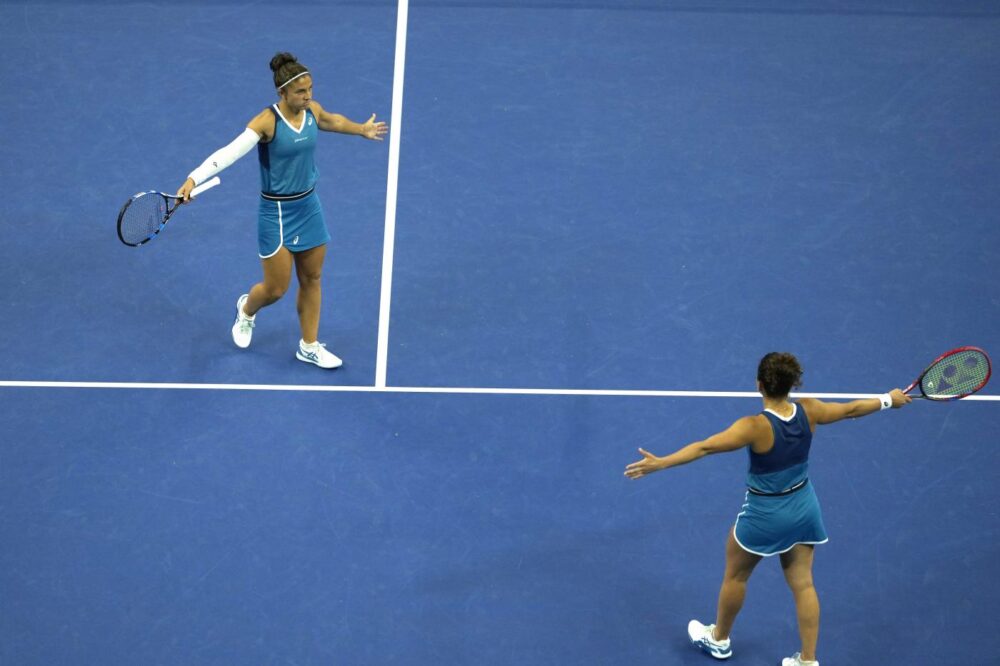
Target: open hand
{"points": [[374, 130], [647, 465]]}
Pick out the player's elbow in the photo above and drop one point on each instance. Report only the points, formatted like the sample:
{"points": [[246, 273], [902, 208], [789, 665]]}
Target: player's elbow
{"points": [[338, 123], [833, 412], [707, 448], [848, 411], [858, 408]]}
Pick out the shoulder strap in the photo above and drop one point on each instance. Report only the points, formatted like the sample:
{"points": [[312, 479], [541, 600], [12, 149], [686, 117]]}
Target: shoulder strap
{"points": [[274, 116]]}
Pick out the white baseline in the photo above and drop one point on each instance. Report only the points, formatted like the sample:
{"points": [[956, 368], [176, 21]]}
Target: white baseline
{"points": [[309, 388]]}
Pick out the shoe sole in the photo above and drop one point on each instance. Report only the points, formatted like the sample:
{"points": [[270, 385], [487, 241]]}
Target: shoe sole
{"points": [[717, 655], [305, 359], [696, 641]]}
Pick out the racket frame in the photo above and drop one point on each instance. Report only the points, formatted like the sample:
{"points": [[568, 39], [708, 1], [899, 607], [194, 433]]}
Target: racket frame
{"points": [[919, 380], [207, 185]]}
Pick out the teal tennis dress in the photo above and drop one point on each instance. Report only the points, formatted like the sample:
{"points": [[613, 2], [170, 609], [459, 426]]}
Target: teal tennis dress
{"points": [[781, 508], [289, 214]]}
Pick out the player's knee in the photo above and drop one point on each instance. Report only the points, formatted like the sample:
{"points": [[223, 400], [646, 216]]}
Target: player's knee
{"points": [[310, 278], [273, 292], [737, 575], [799, 583]]}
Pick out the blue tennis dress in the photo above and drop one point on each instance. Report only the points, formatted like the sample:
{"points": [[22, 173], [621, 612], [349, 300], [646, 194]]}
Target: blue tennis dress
{"points": [[290, 214], [781, 508]]}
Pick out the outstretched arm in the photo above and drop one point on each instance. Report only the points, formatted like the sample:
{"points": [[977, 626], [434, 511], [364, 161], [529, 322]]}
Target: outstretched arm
{"points": [[736, 436], [822, 413], [334, 122]]}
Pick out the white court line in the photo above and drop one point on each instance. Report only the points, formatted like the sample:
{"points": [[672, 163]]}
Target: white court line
{"points": [[389, 241], [310, 388]]}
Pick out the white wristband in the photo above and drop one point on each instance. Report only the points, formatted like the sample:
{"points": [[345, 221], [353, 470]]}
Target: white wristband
{"points": [[224, 157], [884, 401]]}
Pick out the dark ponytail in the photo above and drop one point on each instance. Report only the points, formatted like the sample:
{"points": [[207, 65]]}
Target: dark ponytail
{"points": [[286, 67], [778, 373]]}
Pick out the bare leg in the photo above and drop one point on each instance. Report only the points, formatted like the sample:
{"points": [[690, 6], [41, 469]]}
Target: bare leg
{"points": [[309, 268], [277, 275], [739, 566], [797, 565]]}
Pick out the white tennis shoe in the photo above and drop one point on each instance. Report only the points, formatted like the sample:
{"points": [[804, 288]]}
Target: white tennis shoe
{"points": [[703, 636], [243, 328], [317, 354], [796, 660]]}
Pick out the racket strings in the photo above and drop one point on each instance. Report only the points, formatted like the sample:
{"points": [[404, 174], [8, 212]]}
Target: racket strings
{"points": [[958, 374], [143, 217]]}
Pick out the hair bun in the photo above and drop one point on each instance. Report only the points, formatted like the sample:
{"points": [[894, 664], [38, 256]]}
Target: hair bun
{"points": [[280, 60]]}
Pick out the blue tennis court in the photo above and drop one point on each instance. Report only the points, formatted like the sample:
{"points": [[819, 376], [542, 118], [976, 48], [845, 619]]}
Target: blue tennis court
{"points": [[605, 214]]}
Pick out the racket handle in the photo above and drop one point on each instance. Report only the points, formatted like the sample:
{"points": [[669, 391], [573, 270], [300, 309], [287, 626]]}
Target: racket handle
{"points": [[207, 185]]}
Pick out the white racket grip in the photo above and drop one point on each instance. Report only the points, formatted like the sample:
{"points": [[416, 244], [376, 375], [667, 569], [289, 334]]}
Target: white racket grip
{"points": [[207, 185]]}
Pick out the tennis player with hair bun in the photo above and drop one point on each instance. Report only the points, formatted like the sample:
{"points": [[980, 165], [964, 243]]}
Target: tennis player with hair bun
{"points": [[781, 515], [291, 231]]}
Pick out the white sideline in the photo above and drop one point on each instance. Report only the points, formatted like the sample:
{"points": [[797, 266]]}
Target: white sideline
{"points": [[389, 240]]}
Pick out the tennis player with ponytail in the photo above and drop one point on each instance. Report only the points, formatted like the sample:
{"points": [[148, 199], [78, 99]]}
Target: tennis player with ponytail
{"points": [[781, 515], [291, 231]]}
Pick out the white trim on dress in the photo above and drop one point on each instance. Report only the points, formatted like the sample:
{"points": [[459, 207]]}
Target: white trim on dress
{"points": [[786, 419], [281, 235], [754, 552], [305, 115]]}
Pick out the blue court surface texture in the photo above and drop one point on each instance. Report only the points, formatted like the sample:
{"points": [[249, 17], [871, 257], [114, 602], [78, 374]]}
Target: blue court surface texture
{"points": [[606, 213]]}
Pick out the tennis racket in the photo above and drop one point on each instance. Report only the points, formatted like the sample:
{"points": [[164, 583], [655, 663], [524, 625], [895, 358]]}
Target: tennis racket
{"points": [[145, 214], [954, 375]]}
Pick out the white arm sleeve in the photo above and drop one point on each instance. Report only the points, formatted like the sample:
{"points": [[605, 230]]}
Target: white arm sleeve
{"points": [[224, 157]]}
